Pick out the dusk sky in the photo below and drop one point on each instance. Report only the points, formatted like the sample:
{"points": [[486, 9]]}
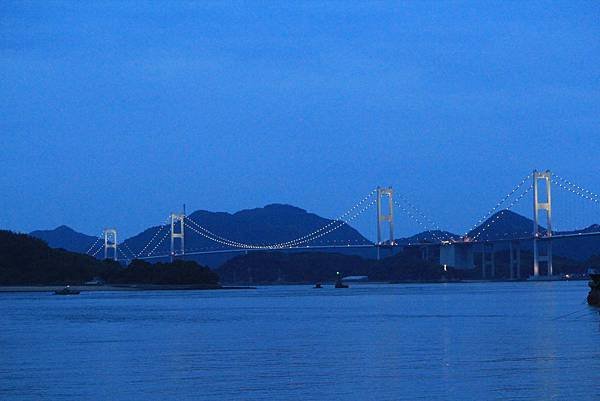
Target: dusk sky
{"points": [[114, 114]]}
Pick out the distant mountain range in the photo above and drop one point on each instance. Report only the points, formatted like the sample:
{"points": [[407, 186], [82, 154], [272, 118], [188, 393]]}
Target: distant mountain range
{"points": [[278, 223], [65, 238]]}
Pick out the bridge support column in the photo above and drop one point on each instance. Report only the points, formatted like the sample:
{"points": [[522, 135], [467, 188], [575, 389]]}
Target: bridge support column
{"points": [[515, 260], [177, 232], [546, 206], [110, 242], [385, 217], [488, 262]]}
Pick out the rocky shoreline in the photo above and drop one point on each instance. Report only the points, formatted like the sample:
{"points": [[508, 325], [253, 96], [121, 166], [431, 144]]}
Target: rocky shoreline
{"points": [[593, 297]]}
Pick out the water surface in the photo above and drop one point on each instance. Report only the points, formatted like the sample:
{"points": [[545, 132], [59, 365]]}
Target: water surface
{"points": [[512, 341]]}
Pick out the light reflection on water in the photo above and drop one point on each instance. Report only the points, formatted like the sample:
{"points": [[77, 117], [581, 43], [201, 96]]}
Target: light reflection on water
{"points": [[508, 341]]}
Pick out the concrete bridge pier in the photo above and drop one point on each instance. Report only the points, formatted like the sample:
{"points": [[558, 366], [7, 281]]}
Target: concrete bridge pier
{"points": [[488, 260], [515, 259]]}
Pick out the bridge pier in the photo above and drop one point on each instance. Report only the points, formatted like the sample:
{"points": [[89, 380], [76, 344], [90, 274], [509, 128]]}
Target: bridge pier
{"points": [[515, 259], [488, 262]]}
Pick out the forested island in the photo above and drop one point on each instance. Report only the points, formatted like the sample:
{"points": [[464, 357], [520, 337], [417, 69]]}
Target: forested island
{"points": [[25, 260]]}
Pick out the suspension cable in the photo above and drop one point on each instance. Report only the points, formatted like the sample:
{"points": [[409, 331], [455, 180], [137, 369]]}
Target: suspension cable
{"points": [[429, 225], [504, 199], [576, 189], [159, 242], [153, 238], [326, 229], [501, 213], [129, 249], [93, 245], [332, 226]]}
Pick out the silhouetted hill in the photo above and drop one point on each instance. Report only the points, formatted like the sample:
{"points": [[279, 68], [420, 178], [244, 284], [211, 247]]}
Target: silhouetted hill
{"points": [[25, 260], [66, 238], [28, 260], [427, 237], [274, 223], [507, 224], [504, 224]]}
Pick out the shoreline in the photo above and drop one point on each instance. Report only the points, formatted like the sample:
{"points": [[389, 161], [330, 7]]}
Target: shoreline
{"points": [[196, 287], [119, 287]]}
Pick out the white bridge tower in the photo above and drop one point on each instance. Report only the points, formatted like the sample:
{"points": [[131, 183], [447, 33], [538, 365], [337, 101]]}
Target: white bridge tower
{"points": [[177, 232], [545, 205], [110, 242], [385, 216]]}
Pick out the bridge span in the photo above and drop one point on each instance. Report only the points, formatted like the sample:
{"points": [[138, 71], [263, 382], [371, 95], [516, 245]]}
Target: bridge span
{"points": [[457, 252]]}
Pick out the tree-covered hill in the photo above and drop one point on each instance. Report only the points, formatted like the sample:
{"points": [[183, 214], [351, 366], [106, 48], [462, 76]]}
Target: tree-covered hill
{"points": [[25, 260], [28, 260]]}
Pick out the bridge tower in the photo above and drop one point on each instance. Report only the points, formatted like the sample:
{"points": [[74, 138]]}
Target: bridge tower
{"points": [[545, 204], [110, 242], [177, 232], [385, 216]]}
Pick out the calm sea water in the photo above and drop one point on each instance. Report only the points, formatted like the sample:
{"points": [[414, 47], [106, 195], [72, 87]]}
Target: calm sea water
{"points": [[513, 341]]}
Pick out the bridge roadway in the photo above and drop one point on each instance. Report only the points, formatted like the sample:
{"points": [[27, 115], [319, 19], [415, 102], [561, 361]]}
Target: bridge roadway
{"points": [[384, 246]]}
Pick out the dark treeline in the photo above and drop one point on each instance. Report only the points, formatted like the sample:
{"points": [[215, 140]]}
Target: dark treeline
{"points": [[178, 272], [310, 267], [25, 260], [28, 260]]}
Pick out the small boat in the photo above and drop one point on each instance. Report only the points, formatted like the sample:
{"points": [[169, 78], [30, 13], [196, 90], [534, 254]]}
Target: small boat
{"points": [[339, 283], [318, 285], [66, 291]]}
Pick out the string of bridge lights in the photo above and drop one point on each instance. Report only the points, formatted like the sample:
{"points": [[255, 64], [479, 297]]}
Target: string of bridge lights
{"points": [[124, 254], [575, 185], [320, 233], [431, 225], [93, 245], [130, 251], [407, 207], [160, 242], [96, 253], [215, 237], [288, 244], [504, 199], [578, 191], [305, 238], [153, 237], [417, 220], [499, 215]]}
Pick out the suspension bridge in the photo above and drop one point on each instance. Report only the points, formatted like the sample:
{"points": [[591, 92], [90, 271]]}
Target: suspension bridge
{"points": [[458, 252]]}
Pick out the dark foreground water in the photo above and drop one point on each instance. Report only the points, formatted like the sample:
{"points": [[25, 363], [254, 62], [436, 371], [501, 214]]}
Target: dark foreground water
{"points": [[513, 341]]}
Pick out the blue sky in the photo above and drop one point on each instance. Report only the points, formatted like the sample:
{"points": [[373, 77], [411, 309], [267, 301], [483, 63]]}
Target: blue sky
{"points": [[115, 113]]}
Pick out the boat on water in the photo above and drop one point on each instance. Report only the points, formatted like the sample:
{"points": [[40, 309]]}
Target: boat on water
{"points": [[546, 278], [339, 283], [593, 297], [318, 285], [66, 291]]}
